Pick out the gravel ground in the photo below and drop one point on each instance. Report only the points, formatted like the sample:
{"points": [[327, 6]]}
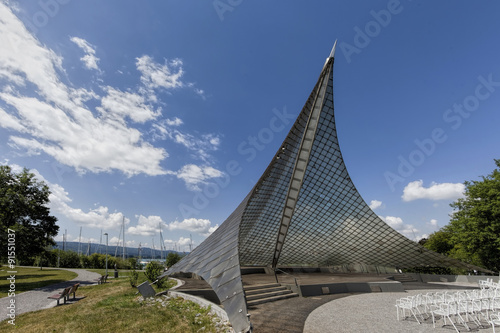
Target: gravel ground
{"points": [[373, 312], [37, 299]]}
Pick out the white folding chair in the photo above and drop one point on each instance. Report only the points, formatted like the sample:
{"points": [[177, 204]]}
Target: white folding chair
{"points": [[445, 310], [494, 320], [410, 304], [426, 302]]}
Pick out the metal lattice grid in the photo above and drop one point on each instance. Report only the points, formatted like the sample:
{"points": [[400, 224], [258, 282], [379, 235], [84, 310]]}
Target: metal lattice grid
{"points": [[303, 211]]}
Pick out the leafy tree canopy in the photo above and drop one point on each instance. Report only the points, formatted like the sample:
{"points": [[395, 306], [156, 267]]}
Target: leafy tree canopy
{"points": [[172, 259], [23, 209], [473, 234]]}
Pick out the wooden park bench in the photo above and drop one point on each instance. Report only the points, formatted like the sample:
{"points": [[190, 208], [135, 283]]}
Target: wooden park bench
{"points": [[102, 279], [64, 294], [73, 291]]}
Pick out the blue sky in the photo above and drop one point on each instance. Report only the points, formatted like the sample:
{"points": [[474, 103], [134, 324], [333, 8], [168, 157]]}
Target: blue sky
{"points": [[160, 112]]}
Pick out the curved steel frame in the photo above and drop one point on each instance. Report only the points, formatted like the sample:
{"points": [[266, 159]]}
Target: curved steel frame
{"points": [[303, 211]]}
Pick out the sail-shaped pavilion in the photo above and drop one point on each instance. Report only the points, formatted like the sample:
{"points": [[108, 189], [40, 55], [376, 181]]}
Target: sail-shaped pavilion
{"points": [[303, 212]]}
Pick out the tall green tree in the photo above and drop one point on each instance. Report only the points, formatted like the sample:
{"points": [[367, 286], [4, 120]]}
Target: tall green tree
{"points": [[439, 241], [474, 227], [172, 259], [23, 209]]}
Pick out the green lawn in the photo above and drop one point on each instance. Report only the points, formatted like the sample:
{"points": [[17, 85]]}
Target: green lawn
{"points": [[31, 278], [116, 307]]}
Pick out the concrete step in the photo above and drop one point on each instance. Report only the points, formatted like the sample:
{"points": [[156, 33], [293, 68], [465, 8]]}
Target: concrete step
{"points": [[263, 290], [283, 291], [271, 299], [261, 286], [404, 278]]}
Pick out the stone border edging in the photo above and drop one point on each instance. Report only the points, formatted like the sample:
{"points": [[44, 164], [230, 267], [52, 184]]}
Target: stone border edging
{"points": [[220, 312], [179, 283]]}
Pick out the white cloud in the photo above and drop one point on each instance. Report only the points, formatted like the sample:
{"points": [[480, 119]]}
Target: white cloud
{"points": [[415, 190], [407, 230], [200, 226], [393, 221], [194, 175], [201, 146], [130, 243], [84, 240], [27, 60], [116, 241], [174, 122], [119, 104], [155, 75], [89, 59], [56, 118], [374, 204], [182, 244], [57, 121], [181, 241], [59, 201], [211, 230], [99, 217], [434, 224], [113, 241], [200, 92], [147, 226], [60, 236]]}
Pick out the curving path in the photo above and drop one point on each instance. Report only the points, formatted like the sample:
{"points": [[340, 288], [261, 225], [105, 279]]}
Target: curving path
{"points": [[36, 299]]}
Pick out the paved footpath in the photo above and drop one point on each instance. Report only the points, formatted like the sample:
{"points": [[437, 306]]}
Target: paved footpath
{"points": [[36, 299]]}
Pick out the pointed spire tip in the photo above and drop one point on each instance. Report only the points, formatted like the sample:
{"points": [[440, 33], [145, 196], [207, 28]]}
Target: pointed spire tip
{"points": [[332, 53]]}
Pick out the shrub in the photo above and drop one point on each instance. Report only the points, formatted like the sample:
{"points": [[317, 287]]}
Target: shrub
{"points": [[153, 270], [134, 276], [85, 261], [172, 259], [132, 263], [69, 259]]}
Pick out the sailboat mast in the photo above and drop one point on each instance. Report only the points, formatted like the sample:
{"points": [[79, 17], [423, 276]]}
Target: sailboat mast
{"points": [[80, 242], [161, 243], [118, 243], [154, 254], [123, 226]]}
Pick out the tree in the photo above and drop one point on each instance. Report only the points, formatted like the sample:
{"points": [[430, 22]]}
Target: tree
{"points": [[153, 270], [474, 228], [439, 241], [24, 213], [172, 259]]}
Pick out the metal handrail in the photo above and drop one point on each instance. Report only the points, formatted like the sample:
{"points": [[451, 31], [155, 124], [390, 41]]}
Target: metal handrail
{"points": [[276, 276]]}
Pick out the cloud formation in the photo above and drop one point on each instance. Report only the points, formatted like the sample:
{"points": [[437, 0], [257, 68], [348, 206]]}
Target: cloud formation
{"points": [[182, 244], [155, 75], [374, 204], [147, 226], [407, 230], [59, 202], [150, 226], [444, 191], [98, 129], [200, 226], [57, 120], [194, 175], [89, 59]]}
